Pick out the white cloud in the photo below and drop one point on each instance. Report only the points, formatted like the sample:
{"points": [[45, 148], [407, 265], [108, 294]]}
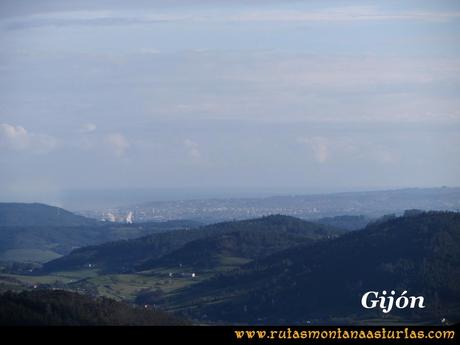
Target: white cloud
{"points": [[88, 127], [192, 149], [325, 148], [216, 15], [15, 137], [383, 156], [318, 72], [19, 139], [117, 143], [306, 87], [341, 14], [320, 147]]}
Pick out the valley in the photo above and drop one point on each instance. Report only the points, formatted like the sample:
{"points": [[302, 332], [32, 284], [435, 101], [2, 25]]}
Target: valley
{"points": [[270, 270]]}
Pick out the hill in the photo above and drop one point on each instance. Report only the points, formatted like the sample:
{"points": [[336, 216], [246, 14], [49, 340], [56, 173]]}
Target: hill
{"points": [[47, 307], [197, 247], [345, 222], [325, 281], [25, 215], [39, 233], [254, 239]]}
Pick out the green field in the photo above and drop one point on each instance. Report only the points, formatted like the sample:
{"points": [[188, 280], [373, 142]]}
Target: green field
{"points": [[28, 255], [117, 286], [121, 286]]}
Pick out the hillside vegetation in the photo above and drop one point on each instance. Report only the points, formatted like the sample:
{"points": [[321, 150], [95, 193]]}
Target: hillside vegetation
{"points": [[39, 233], [197, 247], [59, 308], [325, 281]]}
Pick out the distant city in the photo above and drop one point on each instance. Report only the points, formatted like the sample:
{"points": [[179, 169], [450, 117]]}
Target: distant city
{"points": [[370, 204]]}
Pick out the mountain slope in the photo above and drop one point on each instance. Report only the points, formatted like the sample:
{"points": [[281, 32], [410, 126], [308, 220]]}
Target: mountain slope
{"points": [[20, 214], [143, 253], [276, 233], [345, 222], [420, 254], [39, 233], [45, 308]]}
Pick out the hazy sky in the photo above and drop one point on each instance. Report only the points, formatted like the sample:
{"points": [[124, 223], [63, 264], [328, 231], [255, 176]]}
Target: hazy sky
{"points": [[307, 95]]}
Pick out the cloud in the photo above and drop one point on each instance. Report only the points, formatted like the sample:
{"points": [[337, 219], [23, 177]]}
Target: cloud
{"points": [[88, 127], [117, 143], [320, 147], [319, 72], [383, 156], [19, 139], [15, 137], [325, 148], [216, 14], [344, 14], [192, 149], [340, 88]]}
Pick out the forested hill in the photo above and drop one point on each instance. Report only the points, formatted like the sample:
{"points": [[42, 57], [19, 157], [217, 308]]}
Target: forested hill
{"points": [[325, 281], [59, 308], [260, 236], [346, 222], [21, 214], [39, 233]]}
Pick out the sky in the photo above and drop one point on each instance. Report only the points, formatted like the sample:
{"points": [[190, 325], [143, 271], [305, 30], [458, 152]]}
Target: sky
{"points": [[275, 96]]}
